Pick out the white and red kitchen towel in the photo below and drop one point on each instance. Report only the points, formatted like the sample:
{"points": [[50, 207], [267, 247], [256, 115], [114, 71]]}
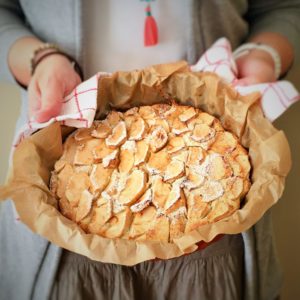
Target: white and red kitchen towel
{"points": [[79, 108]]}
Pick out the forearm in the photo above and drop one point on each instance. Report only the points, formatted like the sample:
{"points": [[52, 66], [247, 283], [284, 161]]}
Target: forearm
{"points": [[19, 57]]}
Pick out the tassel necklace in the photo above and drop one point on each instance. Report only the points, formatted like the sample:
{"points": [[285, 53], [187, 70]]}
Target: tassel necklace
{"points": [[150, 28]]}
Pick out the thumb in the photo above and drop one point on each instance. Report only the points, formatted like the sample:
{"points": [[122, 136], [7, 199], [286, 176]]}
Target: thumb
{"points": [[34, 96], [247, 81], [51, 101]]}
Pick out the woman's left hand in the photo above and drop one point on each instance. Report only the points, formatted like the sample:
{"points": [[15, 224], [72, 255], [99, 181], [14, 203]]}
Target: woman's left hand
{"points": [[255, 67]]}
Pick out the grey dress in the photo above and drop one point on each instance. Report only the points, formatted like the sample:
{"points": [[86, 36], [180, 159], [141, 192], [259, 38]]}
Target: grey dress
{"points": [[237, 266]]}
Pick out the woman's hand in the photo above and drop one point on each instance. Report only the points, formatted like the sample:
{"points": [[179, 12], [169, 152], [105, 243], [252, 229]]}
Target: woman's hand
{"points": [[54, 78], [256, 67]]}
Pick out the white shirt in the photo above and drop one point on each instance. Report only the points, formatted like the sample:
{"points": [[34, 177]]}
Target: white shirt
{"points": [[114, 34]]}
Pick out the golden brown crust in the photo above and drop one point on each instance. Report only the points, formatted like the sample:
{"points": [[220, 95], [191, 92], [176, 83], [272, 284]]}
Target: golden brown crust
{"points": [[151, 173]]}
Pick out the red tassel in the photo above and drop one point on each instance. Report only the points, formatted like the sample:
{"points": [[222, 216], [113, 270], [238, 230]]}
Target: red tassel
{"points": [[151, 31]]}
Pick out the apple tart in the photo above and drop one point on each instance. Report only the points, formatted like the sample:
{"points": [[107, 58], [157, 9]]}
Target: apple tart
{"points": [[151, 173]]}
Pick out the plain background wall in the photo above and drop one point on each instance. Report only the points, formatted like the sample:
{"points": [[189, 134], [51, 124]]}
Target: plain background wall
{"points": [[286, 213]]}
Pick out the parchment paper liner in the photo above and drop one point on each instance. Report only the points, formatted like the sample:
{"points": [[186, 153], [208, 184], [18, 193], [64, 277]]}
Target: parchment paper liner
{"points": [[268, 148]]}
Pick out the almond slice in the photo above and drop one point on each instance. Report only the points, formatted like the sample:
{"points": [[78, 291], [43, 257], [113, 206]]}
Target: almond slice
{"points": [[142, 222], [102, 130], [99, 178], [142, 153], [187, 114], [174, 170], [111, 160], [118, 135], [202, 133], [134, 187], [175, 144], [84, 206], [196, 155], [211, 190], [160, 192], [117, 225], [161, 109], [143, 202], [159, 229], [78, 182], [158, 138], [137, 129], [84, 152], [100, 215]]}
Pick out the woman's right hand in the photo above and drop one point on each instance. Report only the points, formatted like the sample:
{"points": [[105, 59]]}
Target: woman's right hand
{"points": [[53, 79]]}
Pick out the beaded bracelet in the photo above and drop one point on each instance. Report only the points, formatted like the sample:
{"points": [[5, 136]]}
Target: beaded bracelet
{"points": [[38, 56]]}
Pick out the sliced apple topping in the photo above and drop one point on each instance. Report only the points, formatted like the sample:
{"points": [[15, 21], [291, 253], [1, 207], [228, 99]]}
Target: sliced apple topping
{"points": [[102, 130], [161, 191], [196, 155], [137, 129], [142, 222], [147, 112], [62, 180], [84, 206], [83, 134], [111, 160], [132, 111], [202, 133], [142, 153], [177, 226], [218, 168], [187, 114], [211, 190], [158, 162], [118, 135], [101, 151], [143, 202], [174, 170], [159, 229], [99, 177], [100, 216], [175, 144], [114, 118], [134, 187], [84, 152], [117, 225], [127, 156], [197, 211], [194, 179], [78, 182], [225, 143], [179, 127], [158, 138]]}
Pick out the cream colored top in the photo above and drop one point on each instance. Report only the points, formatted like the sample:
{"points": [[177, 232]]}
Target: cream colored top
{"points": [[114, 34]]}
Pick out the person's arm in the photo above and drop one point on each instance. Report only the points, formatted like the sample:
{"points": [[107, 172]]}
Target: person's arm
{"points": [[274, 23], [54, 77]]}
